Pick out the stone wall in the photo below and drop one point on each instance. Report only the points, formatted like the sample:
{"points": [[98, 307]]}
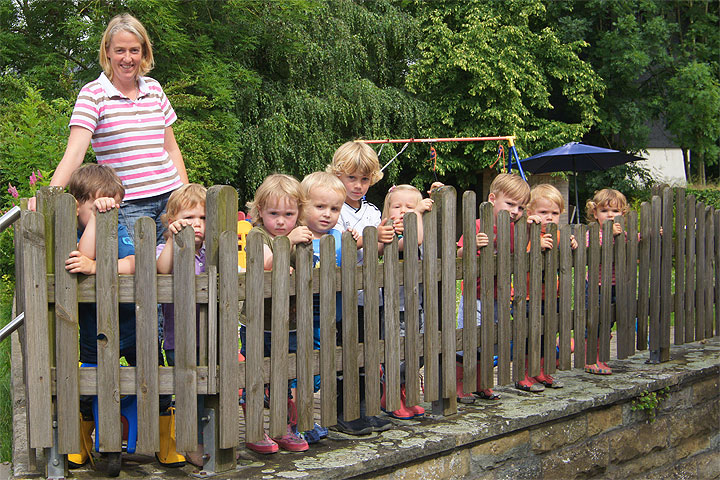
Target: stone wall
{"points": [[611, 441]]}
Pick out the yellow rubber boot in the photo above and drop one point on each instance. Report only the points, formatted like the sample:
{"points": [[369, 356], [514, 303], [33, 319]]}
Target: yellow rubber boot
{"points": [[168, 455], [77, 460]]}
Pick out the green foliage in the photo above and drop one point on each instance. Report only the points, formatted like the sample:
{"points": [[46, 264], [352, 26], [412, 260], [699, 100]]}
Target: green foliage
{"points": [[649, 402], [709, 196], [6, 289]]}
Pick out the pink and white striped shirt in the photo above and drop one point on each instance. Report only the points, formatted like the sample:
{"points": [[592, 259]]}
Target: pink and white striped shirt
{"points": [[128, 135]]}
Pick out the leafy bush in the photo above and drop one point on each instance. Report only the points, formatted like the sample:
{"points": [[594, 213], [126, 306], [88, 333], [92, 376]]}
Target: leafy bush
{"points": [[709, 196]]}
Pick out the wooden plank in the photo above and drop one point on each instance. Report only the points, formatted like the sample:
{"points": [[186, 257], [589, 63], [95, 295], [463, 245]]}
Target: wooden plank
{"points": [[47, 205], [700, 271], [655, 278], [448, 253], [620, 311], [212, 323], [679, 254], [534, 314], [550, 327], [304, 316], [503, 297], [328, 333], [469, 292], [280, 337], [66, 325], [228, 339], [351, 381], [709, 274], [109, 427], [39, 404], [254, 306], [666, 272], [186, 421], [606, 275], [581, 282], [146, 336], [593, 300], [690, 260], [643, 302], [391, 292], [487, 301], [430, 306], [520, 279], [371, 321], [412, 310], [716, 225], [632, 275], [565, 296]]}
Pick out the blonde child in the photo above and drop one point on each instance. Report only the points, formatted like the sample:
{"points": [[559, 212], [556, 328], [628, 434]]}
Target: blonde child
{"points": [[400, 200], [356, 165], [546, 204], [274, 212], [97, 188], [605, 205], [185, 207], [507, 192]]}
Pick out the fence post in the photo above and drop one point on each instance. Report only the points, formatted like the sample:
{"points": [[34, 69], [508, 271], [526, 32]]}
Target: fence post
{"points": [[700, 271], [447, 249], [371, 313], [351, 382], [520, 319], [487, 301], [504, 336], [666, 269], [391, 275], [690, 269], [328, 330], [430, 279], [534, 316], [550, 327], [679, 254], [469, 293], [565, 295], [655, 279], [632, 284], [708, 282], [412, 309], [620, 311], [581, 280]]}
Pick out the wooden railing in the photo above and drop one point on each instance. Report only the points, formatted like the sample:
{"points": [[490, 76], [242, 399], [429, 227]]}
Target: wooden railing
{"points": [[644, 265]]}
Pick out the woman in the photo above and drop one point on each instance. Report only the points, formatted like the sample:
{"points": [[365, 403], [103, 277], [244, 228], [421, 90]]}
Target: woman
{"points": [[128, 119]]}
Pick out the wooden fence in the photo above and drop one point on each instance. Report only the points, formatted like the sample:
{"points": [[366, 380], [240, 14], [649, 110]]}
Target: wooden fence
{"points": [[643, 265]]}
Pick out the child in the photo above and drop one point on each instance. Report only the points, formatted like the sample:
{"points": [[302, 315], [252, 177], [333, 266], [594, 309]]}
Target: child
{"points": [[400, 200], [606, 204], [274, 212], [186, 206], [507, 192], [546, 203], [356, 165], [97, 188], [324, 194]]}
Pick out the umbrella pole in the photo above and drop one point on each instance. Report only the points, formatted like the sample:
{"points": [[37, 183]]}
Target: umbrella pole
{"points": [[577, 202]]}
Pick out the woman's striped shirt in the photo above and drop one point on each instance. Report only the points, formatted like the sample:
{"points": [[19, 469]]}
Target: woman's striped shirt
{"points": [[128, 135]]}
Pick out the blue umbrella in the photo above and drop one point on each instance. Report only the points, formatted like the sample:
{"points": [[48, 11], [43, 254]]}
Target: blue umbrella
{"points": [[576, 157]]}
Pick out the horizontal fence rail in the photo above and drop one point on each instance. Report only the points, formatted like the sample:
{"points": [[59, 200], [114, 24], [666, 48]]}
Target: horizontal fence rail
{"points": [[534, 306]]}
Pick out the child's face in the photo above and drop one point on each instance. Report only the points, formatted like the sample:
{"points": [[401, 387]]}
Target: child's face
{"points": [[323, 210], [279, 215], [401, 202], [606, 212], [85, 209], [357, 184], [501, 201], [547, 210], [196, 217]]}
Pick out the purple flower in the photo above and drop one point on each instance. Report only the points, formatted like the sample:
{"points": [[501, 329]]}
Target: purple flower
{"points": [[13, 191], [33, 179]]}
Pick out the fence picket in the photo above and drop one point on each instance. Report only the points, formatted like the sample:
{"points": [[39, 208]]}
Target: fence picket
{"points": [[351, 382], [66, 325], [708, 282], [520, 278], [430, 286], [146, 336], [565, 296], [550, 326], [109, 427], [304, 314], [280, 337], [412, 309], [620, 310], [470, 278], [700, 271], [716, 225], [371, 321], [666, 271], [679, 306], [632, 283], [487, 301], [690, 260], [503, 297], [593, 300], [535, 319], [391, 270], [254, 323], [607, 269], [643, 305], [228, 340], [328, 332], [581, 280], [655, 278], [448, 285]]}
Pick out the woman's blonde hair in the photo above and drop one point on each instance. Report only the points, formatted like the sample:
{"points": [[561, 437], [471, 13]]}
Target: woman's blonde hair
{"points": [[607, 197], [185, 197], [126, 23], [545, 191], [276, 186], [353, 157], [398, 188]]}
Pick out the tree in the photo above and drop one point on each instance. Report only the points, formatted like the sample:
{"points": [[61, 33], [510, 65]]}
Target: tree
{"points": [[496, 68]]}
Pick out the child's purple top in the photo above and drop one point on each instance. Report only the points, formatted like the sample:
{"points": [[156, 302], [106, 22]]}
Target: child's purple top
{"points": [[169, 308]]}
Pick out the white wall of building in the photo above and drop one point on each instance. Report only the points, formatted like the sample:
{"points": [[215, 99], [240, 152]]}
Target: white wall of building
{"points": [[665, 165]]}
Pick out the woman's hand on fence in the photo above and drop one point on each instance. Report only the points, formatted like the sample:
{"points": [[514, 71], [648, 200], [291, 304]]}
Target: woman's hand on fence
{"points": [[79, 263], [481, 240], [300, 235]]}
